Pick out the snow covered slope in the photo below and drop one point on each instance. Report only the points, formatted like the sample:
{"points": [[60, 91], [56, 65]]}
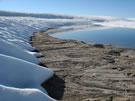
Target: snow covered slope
{"points": [[20, 76]]}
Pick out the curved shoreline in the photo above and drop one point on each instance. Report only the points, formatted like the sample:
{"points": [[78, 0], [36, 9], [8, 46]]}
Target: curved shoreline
{"points": [[83, 71]]}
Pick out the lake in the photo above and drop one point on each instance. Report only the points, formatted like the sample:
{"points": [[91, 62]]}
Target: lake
{"points": [[124, 37]]}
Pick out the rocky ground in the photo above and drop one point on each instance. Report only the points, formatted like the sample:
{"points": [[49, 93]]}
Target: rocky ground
{"points": [[86, 72]]}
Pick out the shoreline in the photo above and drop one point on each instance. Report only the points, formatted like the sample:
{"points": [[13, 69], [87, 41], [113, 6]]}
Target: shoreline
{"points": [[84, 71]]}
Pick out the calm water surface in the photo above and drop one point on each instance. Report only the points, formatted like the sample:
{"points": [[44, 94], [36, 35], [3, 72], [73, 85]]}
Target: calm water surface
{"points": [[115, 36]]}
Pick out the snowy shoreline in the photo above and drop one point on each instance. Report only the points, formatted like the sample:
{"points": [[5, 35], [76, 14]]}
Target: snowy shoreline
{"points": [[20, 76]]}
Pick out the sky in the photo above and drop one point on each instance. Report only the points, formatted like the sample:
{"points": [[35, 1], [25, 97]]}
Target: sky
{"points": [[117, 8]]}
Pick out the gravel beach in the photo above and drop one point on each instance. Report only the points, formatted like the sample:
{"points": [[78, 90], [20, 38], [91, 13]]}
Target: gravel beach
{"points": [[86, 71]]}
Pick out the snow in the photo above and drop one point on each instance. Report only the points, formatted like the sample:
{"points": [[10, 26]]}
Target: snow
{"points": [[16, 51], [20, 76], [17, 74], [16, 94], [35, 54], [21, 73]]}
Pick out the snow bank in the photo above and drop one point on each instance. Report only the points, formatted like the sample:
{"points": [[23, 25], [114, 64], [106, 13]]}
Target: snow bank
{"points": [[16, 94], [17, 75], [20, 76], [16, 51]]}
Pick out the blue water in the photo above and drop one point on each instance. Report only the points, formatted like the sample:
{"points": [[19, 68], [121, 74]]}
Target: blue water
{"points": [[115, 36]]}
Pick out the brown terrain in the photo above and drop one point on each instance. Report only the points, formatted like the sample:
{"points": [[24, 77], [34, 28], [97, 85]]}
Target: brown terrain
{"points": [[86, 72]]}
